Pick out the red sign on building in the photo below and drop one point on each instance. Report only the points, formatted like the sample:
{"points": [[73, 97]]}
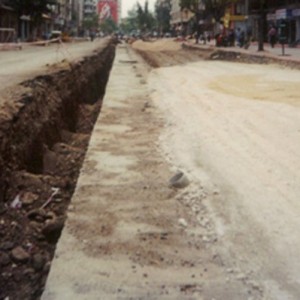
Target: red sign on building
{"points": [[108, 9]]}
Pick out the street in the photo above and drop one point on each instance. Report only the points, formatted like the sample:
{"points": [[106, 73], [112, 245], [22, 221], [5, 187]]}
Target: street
{"points": [[232, 233], [19, 65], [237, 127]]}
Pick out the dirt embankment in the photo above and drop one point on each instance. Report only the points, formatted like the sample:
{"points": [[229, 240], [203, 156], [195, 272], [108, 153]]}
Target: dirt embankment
{"points": [[167, 52], [244, 56], [44, 132]]}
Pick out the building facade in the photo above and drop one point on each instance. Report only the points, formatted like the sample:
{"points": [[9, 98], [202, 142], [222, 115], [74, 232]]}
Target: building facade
{"points": [[8, 24], [179, 18], [283, 14]]}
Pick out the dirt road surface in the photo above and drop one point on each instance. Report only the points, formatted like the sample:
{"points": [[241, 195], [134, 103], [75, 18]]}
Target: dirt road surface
{"points": [[232, 233], [17, 66], [237, 126]]}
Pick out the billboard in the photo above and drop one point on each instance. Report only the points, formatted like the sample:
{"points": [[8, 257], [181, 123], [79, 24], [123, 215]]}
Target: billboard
{"points": [[108, 9]]}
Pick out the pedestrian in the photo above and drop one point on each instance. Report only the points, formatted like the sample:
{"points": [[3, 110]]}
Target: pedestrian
{"points": [[92, 35], [272, 36], [240, 37], [231, 38]]}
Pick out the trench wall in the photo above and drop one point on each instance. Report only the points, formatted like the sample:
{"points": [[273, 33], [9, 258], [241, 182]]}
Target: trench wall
{"points": [[49, 104]]}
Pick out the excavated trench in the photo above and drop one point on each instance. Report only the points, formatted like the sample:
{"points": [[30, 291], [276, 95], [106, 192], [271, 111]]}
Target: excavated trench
{"points": [[43, 139]]}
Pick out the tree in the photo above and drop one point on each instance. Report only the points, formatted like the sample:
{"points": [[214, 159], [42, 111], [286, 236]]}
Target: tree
{"points": [[91, 22], [129, 24], [162, 11], [259, 7], [109, 26], [145, 19]]}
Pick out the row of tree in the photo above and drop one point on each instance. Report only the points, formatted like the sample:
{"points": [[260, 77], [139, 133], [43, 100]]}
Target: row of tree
{"points": [[141, 18], [205, 11]]}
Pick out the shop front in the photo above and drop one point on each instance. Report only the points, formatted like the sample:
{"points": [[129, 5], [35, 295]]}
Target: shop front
{"points": [[286, 22], [296, 18]]}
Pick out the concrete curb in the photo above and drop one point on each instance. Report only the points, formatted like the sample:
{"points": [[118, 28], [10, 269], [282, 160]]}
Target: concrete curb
{"points": [[242, 55]]}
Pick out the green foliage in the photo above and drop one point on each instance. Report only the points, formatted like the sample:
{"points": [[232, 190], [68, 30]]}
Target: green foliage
{"points": [[145, 19], [129, 24], [91, 22], [139, 19], [162, 11], [109, 26]]}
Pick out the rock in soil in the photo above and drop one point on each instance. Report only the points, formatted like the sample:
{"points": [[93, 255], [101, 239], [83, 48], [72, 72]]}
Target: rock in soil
{"points": [[38, 215], [28, 198], [38, 261], [19, 255], [6, 246], [4, 259], [52, 230]]}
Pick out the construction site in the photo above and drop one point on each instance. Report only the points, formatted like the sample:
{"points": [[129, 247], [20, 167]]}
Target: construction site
{"points": [[148, 170]]}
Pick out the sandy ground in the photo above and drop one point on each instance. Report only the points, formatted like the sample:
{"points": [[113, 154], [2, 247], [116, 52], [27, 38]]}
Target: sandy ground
{"points": [[237, 126], [233, 129]]}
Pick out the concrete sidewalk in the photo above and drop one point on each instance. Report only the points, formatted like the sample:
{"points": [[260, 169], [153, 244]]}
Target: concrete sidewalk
{"points": [[290, 54]]}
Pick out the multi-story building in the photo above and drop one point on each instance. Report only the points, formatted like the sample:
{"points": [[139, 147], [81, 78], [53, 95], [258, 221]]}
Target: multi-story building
{"points": [[286, 13], [89, 9], [77, 12], [179, 18], [278, 13], [8, 23], [119, 10], [63, 14]]}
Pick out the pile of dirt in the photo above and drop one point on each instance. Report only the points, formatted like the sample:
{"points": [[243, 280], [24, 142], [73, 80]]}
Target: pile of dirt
{"points": [[157, 45], [170, 52], [44, 136]]}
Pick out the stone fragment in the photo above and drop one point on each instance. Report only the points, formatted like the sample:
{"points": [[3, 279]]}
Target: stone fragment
{"points": [[182, 222], [38, 261], [52, 230], [28, 198], [179, 180], [18, 254], [6, 246], [38, 215], [4, 259]]}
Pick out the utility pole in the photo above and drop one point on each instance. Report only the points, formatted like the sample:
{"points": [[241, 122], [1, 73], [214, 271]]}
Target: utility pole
{"points": [[261, 26]]}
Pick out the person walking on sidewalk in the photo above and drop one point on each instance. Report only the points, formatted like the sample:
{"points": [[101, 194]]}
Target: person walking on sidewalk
{"points": [[272, 36]]}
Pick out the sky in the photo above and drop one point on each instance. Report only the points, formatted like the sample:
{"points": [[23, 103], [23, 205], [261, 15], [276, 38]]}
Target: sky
{"points": [[128, 4]]}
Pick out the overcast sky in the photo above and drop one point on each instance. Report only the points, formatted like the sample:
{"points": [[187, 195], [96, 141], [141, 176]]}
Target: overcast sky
{"points": [[128, 4]]}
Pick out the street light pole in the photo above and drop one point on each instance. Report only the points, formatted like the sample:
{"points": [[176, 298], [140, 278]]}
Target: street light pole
{"points": [[261, 27]]}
